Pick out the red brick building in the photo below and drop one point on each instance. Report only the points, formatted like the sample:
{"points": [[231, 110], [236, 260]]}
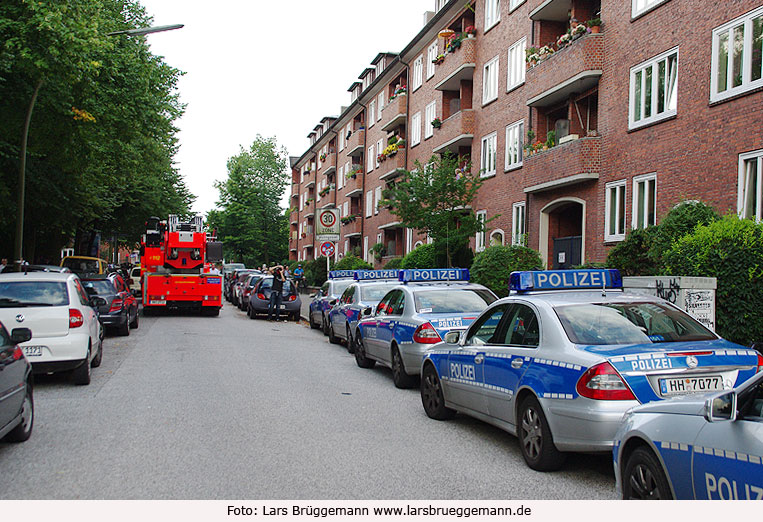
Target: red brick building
{"points": [[661, 104]]}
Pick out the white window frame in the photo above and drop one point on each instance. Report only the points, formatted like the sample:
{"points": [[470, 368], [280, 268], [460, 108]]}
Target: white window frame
{"points": [[339, 178], [418, 72], [653, 64], [643, 6], [416, 129], [516, 64], [346, 246], [518, 224], [748, 83], [346, 208], [492, 13], [371, 160], [408, 240], [341, 140], [490, 73], [430, 113], [369, 203], [365, 249], [379, 106], [637, 212], [371, 113], [479, 244], [744, 186], [497, 231], [513, 4], [488, 153], [431, 55], [609, 187], [379, 150], [377, 197], [514, 136]]}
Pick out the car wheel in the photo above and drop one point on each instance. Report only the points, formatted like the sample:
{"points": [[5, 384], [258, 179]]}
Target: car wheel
{"points": [[124, 329], [643, 478], [295, 317], [324, 325], [250, 312], [431, 396], [313, 324], [81, 374], [23, 431], [135, 322], [535, 439], [350, 344], [399, 377], [96, 362], [360, 354], [333, 339]]}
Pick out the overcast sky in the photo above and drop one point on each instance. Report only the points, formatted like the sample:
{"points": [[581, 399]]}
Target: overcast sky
{"points": [[273, 68]]}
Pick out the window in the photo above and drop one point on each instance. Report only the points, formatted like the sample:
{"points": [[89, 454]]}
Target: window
{"points": [[642, 6], [487, 158], [514, 133], [340, 178], [496, 238], [490, 81], [416, 129], [371, 113], [369, 203], [492, 13], [737, 62], [365, 248], [614, 211], [521, 327], [371, 159], [302, 201], [515, 69], [518, 224], [480, 243], [408, 240], [346, 246], [377, 197], [379, 150], [440, 4], [379, 237], [346, 209], [431, 55], [654, 90], [484, 329], [418, 72], [513, 4], [644, 203], [380, 106], [341, 141], [429, 116], [750, 192]]}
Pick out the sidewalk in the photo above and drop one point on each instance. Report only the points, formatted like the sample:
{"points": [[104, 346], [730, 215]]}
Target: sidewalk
{"points": [[306, 300]]}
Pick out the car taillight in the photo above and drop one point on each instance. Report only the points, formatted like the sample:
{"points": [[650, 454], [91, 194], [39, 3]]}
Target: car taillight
{"points": [[17, 354], [75, 318], [602, 382], [247, 291], [261, 296], [760, 363], [292, 298], [426, 334], [116, 305]]}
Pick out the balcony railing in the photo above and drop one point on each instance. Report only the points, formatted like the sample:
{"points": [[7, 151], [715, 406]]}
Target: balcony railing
{"points": [[356, 143], [457, 66], [573, 162], [457, 131], [351, 229], [392, 165], [395, 113], [329, 164], [353, 187]]}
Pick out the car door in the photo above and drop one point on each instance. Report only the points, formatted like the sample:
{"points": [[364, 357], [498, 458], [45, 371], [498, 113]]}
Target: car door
{"points": [[339, 313], [385, 326], [11, 380], [507, 360], [374, 340], [88, 313]]}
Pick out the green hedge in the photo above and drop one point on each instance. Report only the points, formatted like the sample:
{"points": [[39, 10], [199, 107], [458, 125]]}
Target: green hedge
{"points": [[492, 266], [350, 262], [731, 250], [315, 271], [423, 256], [394, 263]]}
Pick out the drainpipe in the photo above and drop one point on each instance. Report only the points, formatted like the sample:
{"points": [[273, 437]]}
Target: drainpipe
{"points": [[407, 138], [365, 174]]}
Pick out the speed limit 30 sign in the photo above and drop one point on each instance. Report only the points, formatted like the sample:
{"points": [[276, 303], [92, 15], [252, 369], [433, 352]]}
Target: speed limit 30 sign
{"points": [[327, 227]]}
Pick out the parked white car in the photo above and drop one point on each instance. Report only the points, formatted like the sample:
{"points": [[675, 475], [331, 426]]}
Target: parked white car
{"points": [[135, 278], [66, 333]]}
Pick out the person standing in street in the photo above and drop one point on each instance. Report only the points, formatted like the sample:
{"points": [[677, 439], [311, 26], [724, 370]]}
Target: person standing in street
{"points": [[276, 292], [4, 265]]}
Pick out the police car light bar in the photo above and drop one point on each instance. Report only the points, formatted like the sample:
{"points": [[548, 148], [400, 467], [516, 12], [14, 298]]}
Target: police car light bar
{"points": [[370, 275], [565, 280], [435, 274], [341, 274]]}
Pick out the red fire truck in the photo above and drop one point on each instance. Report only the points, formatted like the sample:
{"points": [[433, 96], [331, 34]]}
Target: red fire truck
{"points": [[175, 260]]}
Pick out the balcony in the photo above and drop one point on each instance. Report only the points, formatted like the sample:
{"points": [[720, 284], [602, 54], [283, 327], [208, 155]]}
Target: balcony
{"points": [[457, 66], [352, 229], [295, 190], [573, 69], [457, 131], [310, 210], [353, 187], [573, 162], [392, 166], [356, 143], [329, 164], [395, 113]]}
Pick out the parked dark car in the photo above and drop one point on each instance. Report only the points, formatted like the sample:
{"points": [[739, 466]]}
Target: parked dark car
{"points": [[238, 283], [260, 298], [16, 400], [246, 289], [121, 309]]}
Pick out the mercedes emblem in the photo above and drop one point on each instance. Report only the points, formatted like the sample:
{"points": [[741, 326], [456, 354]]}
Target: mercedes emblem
{"points": [[20, 318], [691, 361]]}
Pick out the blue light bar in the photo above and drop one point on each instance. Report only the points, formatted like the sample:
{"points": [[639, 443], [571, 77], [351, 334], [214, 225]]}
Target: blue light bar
{"points": [[341, 274], [565, 280], [435, 274], [370, 275]]}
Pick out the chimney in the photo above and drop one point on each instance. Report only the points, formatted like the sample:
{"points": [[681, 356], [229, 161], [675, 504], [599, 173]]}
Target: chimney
{"points": [[428, 15]]}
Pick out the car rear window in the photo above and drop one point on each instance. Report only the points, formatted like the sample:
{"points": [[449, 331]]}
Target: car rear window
{"points": [[452, 301], [99, 287], [82, 265], [267, 284], [376, 292], [341, 286], [33, 293]]}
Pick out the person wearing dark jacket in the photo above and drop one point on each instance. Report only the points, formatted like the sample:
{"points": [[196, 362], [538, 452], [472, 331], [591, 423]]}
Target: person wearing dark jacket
{"points": [[276, 292]]}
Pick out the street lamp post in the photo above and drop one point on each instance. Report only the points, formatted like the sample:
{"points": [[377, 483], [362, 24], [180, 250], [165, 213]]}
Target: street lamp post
{"points": [[18, 246]]}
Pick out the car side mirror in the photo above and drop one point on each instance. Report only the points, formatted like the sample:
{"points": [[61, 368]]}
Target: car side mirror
{"points": [[333, 302], [20, 335], [453, 337], [721, 407], [367, 310], [97, 302]]}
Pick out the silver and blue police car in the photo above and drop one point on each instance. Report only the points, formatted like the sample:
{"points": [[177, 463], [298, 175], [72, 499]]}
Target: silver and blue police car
{"points": [[369, 287], [706, 447], [415, 315], [561, 359], [331, 290]]}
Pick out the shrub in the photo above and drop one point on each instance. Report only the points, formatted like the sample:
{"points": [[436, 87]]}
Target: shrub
{"points": [[315, 271], [730, 250], [351, 262], [394, 263], [493, 265], [420, 257], [462, 255], [631, 256]]}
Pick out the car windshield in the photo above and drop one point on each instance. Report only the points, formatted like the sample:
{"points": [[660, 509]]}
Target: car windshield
{"points": [[341, 286], [452, 300], [629, 323], [232, 266], [376, 292], [82, 266], [99, 287], [267, 284], [33, 293]]}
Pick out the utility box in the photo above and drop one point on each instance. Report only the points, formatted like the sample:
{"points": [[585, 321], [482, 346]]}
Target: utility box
{"points": [[694, 295]]}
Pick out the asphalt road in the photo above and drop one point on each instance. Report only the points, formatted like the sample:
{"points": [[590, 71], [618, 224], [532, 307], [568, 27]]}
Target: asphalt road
{"points": [[226, 407]]}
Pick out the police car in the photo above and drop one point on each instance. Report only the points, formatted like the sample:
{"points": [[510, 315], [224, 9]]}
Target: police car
{"points": [[561, 359], [707, 447], [337, 283], [368, 288], [415, 315]]}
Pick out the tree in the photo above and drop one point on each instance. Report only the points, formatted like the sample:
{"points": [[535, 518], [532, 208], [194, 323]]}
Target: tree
{"points": [[436, 198], [250, 222]]}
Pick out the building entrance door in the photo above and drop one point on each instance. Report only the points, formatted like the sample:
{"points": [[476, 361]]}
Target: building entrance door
{"points": [[567, 252]]}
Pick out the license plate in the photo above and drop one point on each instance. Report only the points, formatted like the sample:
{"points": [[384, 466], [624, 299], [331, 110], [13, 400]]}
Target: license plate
{"points": [[683, 385], [33, 351], [157, 302], [283, 307]]}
